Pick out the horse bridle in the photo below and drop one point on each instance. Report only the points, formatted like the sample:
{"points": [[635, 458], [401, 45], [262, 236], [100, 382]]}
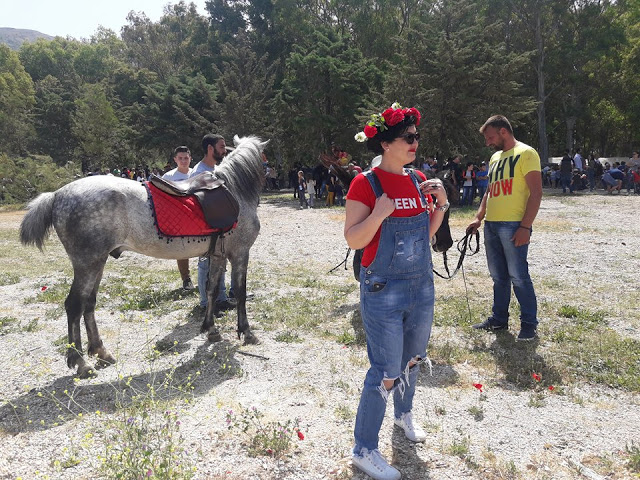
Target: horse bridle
{"points": [[465, 248]]}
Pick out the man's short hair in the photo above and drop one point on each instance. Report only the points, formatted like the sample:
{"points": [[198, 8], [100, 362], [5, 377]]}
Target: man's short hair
{"points": [[210, 139], [498, 122], [181, 149]]}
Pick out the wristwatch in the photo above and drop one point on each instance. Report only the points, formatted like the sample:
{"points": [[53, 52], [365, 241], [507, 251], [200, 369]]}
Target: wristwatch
{"points": [[442, 208]]}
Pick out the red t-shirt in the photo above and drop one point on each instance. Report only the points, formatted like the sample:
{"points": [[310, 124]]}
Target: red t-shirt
{"points": [[397, 187]]}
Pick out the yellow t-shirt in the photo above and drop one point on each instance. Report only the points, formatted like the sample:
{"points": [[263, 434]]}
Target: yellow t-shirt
{"points": [[508, 191]]}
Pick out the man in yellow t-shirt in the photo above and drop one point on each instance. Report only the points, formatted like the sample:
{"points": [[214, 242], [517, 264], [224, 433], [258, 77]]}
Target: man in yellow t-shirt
{"points": [[509, 208]]}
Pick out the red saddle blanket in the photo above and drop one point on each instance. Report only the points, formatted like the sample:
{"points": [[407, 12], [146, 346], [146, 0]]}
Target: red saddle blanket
{"points": [[178, 216]]}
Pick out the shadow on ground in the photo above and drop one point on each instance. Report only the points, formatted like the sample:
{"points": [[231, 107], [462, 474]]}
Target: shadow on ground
{"points": [[63, 399]]}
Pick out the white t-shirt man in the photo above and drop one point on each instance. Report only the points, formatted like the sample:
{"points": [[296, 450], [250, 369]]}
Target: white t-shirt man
{"points": [[577, 161], [176, 176]]}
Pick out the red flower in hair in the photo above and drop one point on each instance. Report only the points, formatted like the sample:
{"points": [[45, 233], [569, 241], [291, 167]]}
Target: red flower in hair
{"points": [[370, 131], [413, 111], [393, 117]]}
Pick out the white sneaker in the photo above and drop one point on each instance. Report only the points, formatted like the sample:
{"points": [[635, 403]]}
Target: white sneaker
{"points": [[373, 464], [412, 431]]}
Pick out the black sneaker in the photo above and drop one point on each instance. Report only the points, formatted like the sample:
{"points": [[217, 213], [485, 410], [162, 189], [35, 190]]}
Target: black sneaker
{"points": [[188, 284], [527, 334], [491, 327]]}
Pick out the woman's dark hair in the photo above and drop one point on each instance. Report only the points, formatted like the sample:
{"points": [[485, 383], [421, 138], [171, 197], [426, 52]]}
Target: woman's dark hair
{"points": [[390, 134]]}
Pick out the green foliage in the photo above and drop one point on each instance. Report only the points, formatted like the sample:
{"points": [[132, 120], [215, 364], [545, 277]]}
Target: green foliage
{"points": [[21, 179], [458, 55], [8, 325], [147, 442], [326, 82], [95, 126], [16, 98], [565, 73], [9, 278], [288, 337], [271, 439], [633, 451]]}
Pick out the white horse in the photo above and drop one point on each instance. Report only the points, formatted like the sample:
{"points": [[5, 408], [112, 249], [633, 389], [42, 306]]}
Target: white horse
{"points": [[99, 216]]}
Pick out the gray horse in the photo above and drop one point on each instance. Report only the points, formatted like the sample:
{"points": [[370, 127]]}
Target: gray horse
{"points": [[99, 216]]}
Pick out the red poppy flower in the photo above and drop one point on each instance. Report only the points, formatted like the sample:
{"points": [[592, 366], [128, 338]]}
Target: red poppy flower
{"points": [[478, 386], [370, 131], [536, 376], [300, 435], [551, 388], [43, 288]]}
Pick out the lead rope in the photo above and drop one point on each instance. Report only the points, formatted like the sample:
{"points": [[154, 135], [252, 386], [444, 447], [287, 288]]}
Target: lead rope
{"points": [[466, 292], [465, 248], [344, 262]]}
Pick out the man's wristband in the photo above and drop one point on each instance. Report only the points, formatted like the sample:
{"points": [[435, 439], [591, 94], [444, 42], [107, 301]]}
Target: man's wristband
{"points": [[526, 228]]}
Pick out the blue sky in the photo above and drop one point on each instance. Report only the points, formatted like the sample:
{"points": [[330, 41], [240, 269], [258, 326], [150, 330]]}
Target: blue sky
{"points": [[78, 18]]}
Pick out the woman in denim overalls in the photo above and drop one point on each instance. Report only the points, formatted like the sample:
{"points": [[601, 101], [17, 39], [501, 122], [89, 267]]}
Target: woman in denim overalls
{"points": [[394, 227]]}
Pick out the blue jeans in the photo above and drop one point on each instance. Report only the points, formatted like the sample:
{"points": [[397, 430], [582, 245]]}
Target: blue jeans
{"points": [[508, 266], [565, 181], [592, 179], [203, 276], [467, 195], [396, 301], [481, 191]]}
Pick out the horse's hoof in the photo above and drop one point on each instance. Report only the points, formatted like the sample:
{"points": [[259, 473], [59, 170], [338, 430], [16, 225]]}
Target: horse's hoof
{"points": [[214, 336], [251, 339], [105, 362], [86, 372]]}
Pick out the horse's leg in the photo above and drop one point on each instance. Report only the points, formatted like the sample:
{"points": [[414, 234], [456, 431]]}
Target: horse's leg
{"points": [[216, 267], [96, 347], [239, 272], [84, 279]]}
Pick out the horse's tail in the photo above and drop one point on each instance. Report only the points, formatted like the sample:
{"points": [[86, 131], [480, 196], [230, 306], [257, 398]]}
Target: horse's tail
{"points": [[38, 221]]}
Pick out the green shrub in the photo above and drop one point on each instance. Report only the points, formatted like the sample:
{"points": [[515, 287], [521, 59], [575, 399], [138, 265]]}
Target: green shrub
{"points": [[22, 179]]}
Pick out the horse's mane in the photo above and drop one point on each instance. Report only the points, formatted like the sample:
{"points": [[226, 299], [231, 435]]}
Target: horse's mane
{"points": [[242, 169]]}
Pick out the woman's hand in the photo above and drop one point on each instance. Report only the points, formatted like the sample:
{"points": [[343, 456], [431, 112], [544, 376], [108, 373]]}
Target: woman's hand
{"points": [[436, 188], [384, 207]]}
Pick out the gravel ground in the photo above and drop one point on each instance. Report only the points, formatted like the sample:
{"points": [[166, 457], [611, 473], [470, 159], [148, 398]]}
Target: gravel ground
{"points": [[586, 244]]}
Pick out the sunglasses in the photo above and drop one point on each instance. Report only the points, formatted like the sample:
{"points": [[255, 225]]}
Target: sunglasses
{"points": [[410, 137]]}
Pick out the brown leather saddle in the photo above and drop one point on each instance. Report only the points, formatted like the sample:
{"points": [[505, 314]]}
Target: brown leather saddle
{"points": [[220, 207]]}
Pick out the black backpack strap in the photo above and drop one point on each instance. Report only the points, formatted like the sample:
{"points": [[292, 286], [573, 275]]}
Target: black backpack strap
{"points": [[375, 183], [414, 177]]}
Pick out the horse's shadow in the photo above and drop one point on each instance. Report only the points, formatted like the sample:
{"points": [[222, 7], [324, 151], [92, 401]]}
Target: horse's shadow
{"points": [[64, 399]]}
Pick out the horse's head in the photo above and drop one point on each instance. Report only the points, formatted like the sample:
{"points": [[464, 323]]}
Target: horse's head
{"points": [[242, 168], [442, 240]]}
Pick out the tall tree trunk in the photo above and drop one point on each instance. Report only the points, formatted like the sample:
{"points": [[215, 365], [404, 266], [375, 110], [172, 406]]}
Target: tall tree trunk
{"points": [[570, 122], [543, 143]]}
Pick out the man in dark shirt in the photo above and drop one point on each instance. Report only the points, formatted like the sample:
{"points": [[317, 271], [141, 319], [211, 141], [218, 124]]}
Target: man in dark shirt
{"points": [[566, 169]]}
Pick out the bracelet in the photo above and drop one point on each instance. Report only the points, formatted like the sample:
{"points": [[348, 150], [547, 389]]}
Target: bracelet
{"points": [[442, 208], [526, 228]]}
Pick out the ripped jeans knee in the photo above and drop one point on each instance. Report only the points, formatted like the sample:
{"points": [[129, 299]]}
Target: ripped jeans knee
{"points": [[406, 379]]}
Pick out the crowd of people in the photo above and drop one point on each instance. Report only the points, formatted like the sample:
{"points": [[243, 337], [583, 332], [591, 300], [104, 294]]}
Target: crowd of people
{"points": [[576, 173]]}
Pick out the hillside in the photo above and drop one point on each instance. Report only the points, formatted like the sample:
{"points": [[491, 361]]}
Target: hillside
{"points": [[14, 37]]}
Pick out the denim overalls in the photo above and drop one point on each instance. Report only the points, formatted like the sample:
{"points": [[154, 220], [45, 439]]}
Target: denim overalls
{"points": [[396, 302]]}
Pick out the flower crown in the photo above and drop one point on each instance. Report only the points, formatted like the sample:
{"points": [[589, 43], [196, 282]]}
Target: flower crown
{"points": [[379, 122]]}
